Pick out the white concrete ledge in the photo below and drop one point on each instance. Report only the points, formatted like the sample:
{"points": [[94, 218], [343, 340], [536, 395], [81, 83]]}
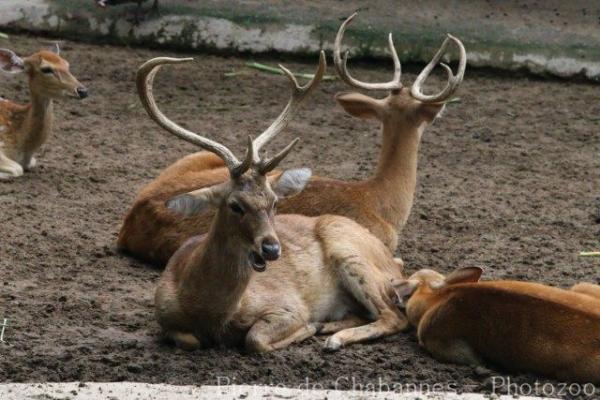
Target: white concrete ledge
{"points": [[145, 391]]}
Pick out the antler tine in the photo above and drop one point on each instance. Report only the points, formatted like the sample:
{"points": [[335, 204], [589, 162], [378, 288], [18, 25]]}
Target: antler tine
{"points": [[266, 166], [454, 81], [248, 160], [342, 67], [299, 94], [144, 81]]}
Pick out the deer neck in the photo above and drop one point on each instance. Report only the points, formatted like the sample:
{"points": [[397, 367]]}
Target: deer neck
{"points": [[396, 175], [38, 123], [218, 274]]}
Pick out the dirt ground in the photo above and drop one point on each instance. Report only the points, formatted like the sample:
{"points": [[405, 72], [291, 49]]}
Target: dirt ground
{"points": [[509, 179]]}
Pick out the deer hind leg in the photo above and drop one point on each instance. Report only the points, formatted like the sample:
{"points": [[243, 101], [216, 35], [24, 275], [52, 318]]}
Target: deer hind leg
{"points": [[8, 168], [444, 340], [453, 351], [355, 277], [300, 335], [277, 331]]}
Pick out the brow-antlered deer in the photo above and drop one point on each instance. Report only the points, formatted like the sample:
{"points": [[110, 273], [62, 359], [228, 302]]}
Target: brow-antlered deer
{"points": [[327, 274], [381, 203], [25, 128], [520, 326]]}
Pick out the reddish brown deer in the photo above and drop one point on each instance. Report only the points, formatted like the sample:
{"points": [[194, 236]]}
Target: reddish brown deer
{"points": [[520, 326], [326, 274], [381, 203], [25, 128]]}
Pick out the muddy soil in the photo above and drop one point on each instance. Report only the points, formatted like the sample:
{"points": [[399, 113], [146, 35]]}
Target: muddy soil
{"points": [[509, 179]]}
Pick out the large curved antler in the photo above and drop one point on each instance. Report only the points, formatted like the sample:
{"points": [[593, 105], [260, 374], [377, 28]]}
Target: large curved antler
{"points": [[299, 93], [144, 80], [453, 80], [342, 68]]}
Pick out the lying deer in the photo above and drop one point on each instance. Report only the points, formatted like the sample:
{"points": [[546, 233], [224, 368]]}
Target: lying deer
{"points": [[381, 203], [326, 274], [520, 326], [25, 128]]}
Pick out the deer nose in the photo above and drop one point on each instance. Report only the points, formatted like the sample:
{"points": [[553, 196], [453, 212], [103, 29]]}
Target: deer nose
{"points": [[82, 92], [270, 250]]}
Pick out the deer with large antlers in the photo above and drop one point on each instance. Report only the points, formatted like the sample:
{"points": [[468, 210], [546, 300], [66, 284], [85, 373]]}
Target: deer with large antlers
{"points": [[326, 274], [25, 128], [381, 203]]}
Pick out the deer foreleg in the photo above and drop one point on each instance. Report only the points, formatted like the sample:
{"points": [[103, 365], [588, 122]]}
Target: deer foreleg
{"points": [[366, 290], [387, 325], [8, 168]]}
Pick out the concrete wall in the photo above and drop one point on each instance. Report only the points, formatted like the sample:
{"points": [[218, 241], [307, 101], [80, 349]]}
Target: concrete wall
{"points": [[548, 38]]}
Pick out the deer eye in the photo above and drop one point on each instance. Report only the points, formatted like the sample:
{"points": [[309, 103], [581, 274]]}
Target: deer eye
{"points": [[236, 208], [46, 70]]}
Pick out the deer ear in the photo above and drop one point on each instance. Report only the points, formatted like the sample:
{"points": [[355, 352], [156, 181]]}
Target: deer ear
{"points": [[196, 202], [404, 290], [10, 62], [359, 105], [464, 275], [291, 182]]}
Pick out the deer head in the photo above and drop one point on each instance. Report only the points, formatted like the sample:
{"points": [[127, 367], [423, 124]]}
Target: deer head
{"points": [[417, 292], [49, 74], [246, 203], [403, 105]]}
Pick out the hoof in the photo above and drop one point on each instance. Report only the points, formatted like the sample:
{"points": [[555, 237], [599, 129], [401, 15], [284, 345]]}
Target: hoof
{"points": [[4, 176], [332, 344]]}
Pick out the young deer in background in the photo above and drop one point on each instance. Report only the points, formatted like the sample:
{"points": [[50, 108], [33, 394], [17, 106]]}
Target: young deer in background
{"points": [[327, 274], [381, 203], [520, 326], [25, 128]]}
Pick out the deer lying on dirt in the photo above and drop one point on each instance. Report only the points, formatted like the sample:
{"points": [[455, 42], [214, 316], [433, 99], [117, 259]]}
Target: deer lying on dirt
{"points": [[520, 326], [25, 128], [327, 274], [381, 204]]}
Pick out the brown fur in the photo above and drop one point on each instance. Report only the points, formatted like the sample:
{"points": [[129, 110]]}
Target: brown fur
{"points": [[520, 326], [25, 128], [330, 269], [381, 204]]}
